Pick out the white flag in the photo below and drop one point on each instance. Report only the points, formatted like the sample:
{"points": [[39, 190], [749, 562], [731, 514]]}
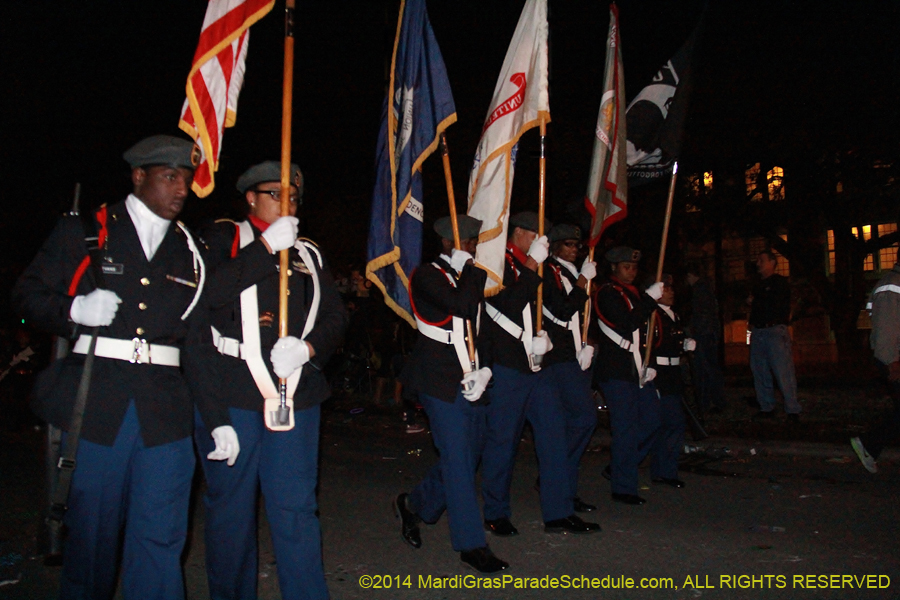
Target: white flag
{"points": [[521, 101]]}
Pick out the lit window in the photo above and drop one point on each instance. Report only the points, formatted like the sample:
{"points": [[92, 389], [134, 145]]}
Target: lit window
{"points": [[887, 256], [751, 178], [832, 261], [775, 179], [839, 188], [694, 185], [707, 181]]}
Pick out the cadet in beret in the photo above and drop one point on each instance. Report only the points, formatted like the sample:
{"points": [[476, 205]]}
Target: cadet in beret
{"points": [[565, 419], [444, 294], [135, 459], [244, 296], [622, 310]]}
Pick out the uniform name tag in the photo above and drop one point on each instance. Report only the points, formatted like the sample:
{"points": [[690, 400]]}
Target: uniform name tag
{"points": [[113, 268]]}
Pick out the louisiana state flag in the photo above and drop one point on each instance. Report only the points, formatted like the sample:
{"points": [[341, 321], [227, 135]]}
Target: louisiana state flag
{"points": [[419, 106]]}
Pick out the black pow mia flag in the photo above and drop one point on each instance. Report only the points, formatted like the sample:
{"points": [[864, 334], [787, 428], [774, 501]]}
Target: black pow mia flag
{"points": [[654, 120]]}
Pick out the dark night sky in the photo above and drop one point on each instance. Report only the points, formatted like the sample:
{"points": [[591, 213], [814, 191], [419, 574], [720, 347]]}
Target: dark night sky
{"points": [[83, 80]]}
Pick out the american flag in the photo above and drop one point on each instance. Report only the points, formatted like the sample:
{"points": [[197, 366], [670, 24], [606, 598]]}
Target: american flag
{"points": [[215, 80]]}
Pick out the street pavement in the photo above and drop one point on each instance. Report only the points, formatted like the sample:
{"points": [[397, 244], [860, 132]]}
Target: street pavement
{"points": [[761, 524]]}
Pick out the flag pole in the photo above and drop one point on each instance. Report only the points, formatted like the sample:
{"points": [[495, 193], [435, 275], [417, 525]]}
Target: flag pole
{"points": [[662, 258], [287, 97], [451, 198], [541, 203], [587, 304]]}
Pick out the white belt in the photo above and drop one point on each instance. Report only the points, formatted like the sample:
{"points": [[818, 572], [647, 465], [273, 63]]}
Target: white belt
{"points": [[615, 337], [552, 319], [226, 345], [665, 360], [523, 335], [136, 350], [438, 334], [505, 322]]}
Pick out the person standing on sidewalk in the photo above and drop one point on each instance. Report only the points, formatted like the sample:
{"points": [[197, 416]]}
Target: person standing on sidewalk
{"points": [[885, 343], [770, 340], [706, 330]]}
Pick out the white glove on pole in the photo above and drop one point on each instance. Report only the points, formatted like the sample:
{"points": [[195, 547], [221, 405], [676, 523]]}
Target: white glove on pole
{"points": [[97, 309], [539, 249], [282, 233], [690, 344], [474, 383], [649, 375], [585, 356], [655, 291], [227, 446], [541, 344], [458, 259], [588, 269], [288, 355]]}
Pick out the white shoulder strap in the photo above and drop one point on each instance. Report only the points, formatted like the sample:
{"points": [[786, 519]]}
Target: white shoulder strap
{"points": [[199, 265]]}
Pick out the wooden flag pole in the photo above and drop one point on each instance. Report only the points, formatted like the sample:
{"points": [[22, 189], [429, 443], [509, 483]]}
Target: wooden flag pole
{"points": [[587, 305], [541, 201], [451, 198], [285, 416], [662, 259]]}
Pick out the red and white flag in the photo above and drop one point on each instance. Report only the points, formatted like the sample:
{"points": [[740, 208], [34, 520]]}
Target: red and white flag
{"points": [[521, 101], [215, 80], [607, 191]]}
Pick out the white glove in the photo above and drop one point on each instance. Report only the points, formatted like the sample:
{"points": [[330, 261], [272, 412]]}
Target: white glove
{"points": [[539, 249], [649, 375], [585, 356], [655, 291], [97, 309], [690, 344], [288, 355], [227, 446], [541, 344], [458, 259], [282, 233], [474, 383], [588, 269]]}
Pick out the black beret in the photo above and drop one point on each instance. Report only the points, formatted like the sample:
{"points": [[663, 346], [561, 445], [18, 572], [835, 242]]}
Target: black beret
{"points": [[268, 171], [163, 150], [622, 254], [564, 231], [528, 220], [469, 227]]}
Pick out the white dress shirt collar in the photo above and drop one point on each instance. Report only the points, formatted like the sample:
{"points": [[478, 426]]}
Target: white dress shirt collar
{"points": [[151, 228]]}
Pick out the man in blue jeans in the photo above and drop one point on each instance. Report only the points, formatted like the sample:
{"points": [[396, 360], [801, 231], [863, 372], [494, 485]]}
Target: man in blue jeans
{"points": [[770, 340]]}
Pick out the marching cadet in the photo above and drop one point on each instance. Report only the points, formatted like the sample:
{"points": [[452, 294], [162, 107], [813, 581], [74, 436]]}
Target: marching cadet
{"points": [[444, 294], [626, 384], [573, 416], [669, 345], [135, 460], [244, 292]]}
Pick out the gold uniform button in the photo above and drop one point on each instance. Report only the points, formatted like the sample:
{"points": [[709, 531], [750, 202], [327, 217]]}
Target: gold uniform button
{"points": [[142, 306], [145, 281], [139, 331]]}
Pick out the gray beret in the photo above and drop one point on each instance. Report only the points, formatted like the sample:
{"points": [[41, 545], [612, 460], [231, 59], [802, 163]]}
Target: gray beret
{"points": [[622, 254], [469, 227], [268, 171], [564, 231], [527, 220], [163, 150]]}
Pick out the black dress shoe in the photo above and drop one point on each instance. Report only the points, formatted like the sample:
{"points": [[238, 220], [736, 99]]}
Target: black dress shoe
{"points": [[409, 522], [571, 524], [501, 527], [675, 483], [483, 560], [607, 473], [628, 499], [582, 506]]}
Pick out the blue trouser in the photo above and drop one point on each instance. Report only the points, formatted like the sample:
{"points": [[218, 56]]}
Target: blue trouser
{"points": [[710, 382], [634, 420], [145, 489], [770, 353], [505, 417], [284, 464], [457, 429], [669, 439]]}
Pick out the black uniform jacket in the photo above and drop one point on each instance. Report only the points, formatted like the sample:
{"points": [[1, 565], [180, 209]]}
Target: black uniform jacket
{"points": [[563, 306], [520, 286], [151, 309], [771, 302], [253, 265], [433, 367], [668, 342], [624, 309]]}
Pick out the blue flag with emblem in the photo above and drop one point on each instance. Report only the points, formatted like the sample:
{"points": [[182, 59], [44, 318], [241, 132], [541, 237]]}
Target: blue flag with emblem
{"points": [[419, 106]]}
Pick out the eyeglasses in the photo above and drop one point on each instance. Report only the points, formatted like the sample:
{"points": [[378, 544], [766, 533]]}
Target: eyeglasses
{"points": [[276, 195]]}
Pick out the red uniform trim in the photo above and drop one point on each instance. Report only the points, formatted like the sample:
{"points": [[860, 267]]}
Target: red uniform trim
{"points": [[86, 261], [236, 243], [412, 303]]}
